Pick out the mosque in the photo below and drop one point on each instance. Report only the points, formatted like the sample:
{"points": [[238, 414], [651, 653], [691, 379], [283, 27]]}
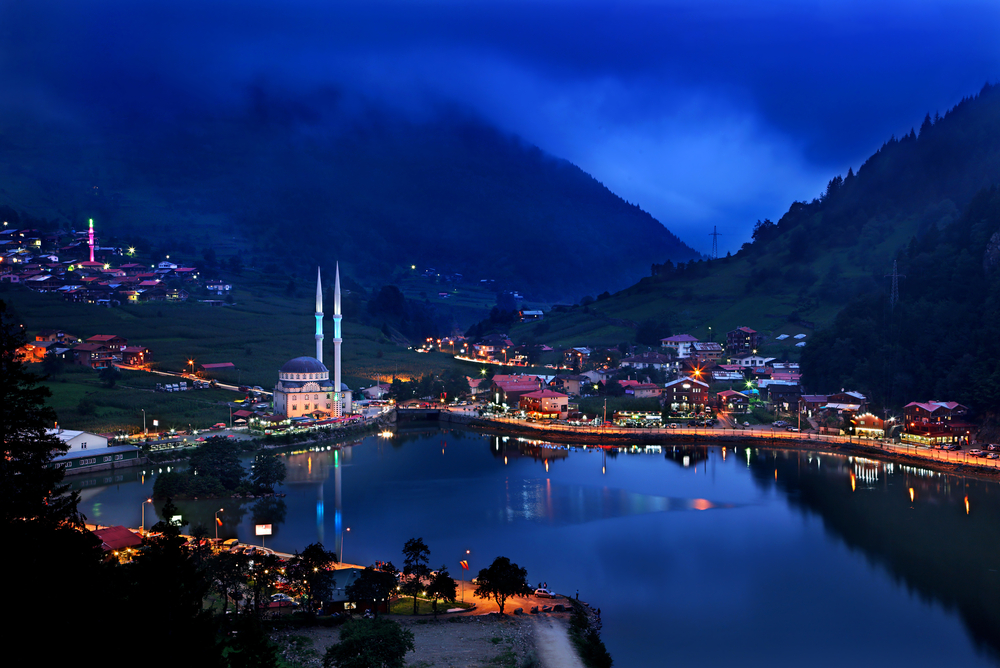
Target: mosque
{"points": [[304, 387]]}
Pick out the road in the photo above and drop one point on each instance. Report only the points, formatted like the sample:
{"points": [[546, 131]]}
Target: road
{"points": [[753, 431]]}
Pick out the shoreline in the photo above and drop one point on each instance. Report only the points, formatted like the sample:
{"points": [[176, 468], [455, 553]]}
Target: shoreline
{"points": [[948, 462]]}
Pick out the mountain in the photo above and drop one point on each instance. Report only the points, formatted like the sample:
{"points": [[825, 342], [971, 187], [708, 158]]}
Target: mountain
{"points": [[927, 201], [299, 180]]}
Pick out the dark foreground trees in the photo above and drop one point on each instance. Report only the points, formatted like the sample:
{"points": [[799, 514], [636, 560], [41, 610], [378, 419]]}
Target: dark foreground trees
{"points": [[370, 643], [442, 588], [314, 570], [374, 585], [501, 581], [416, 556]]}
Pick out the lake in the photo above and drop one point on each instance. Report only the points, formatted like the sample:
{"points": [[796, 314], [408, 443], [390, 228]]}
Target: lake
{"points": [[697, 556]]}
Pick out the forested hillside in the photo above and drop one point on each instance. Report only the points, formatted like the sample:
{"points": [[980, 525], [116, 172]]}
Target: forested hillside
{"points": [[927, 200], [292, 181]]}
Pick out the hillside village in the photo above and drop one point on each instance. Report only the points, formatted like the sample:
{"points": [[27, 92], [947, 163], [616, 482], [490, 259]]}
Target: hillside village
{"points": [[687, 382], [77, 268]]}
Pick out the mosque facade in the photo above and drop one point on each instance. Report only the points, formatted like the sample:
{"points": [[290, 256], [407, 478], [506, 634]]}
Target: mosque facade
{"points": [[304, 387]]}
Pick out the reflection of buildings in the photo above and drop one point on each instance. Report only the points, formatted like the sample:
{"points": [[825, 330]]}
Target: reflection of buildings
{"points": [[510, 447], [316, 468], [938, 533]]}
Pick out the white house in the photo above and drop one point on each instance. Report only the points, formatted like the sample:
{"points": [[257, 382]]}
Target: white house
{"points": [[79, 440], [681, 344]]}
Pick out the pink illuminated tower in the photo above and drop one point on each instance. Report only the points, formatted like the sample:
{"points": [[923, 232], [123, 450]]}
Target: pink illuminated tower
{"points": [[91, 239]]}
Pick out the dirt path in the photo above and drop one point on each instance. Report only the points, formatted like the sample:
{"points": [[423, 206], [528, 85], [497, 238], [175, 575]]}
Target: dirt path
{"points": [[552, 643]]}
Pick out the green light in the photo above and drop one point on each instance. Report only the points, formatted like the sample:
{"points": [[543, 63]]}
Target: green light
{"points": [[91, 222]]}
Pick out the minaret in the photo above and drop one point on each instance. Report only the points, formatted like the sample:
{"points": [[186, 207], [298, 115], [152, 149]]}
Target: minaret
{"points": [[319, 316], [337, 340], [91, 242]]}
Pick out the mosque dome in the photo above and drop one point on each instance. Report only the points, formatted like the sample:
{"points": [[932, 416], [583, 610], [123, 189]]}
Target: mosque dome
{"points": [[303, 365]]}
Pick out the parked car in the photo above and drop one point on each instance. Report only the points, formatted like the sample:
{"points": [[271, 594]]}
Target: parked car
{"points": [[793, 429], [545, 593]]}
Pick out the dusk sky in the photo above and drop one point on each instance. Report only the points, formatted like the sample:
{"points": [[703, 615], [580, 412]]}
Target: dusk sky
{"points": [[703, 113]]}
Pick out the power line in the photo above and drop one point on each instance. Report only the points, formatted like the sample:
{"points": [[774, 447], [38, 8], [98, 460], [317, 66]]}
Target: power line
{"points": [[715, 241]]}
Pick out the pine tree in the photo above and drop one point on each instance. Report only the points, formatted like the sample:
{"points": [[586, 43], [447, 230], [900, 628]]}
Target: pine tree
{"points": [[31, 488]]}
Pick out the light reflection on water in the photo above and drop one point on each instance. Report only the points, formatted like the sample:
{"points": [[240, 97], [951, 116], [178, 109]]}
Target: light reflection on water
{"points": [[808, 550]]}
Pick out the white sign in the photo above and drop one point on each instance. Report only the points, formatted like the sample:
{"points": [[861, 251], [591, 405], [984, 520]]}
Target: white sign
{"points": [[177, 521], [263, 529], [156, 423]]}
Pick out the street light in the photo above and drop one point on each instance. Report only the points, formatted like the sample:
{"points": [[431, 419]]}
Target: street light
{"points": [[144, 515], [217, 522], [342, 544], [144, 432], [463, 579]]}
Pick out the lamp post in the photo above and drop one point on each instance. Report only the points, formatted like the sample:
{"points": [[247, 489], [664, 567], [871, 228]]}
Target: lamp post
{"points": [[143, 532], [348, 530], [463, 579], [144, 432], [217, 523]]}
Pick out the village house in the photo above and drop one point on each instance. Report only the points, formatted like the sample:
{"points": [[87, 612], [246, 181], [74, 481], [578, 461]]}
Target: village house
{"points": [[136, 356], [569, 383], [545, 404], [575, 358], [509, 389], [707, 351], [867, 425], [680, 344], [647, 360], [109, 341], [644, 390], [93, 355], [686, 395], [933, 411], [742, 340], [733, 401], [492, 347]]}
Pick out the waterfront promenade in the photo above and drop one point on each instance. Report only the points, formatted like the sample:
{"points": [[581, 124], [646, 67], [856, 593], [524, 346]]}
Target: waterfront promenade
{"points": [[759, 434]]}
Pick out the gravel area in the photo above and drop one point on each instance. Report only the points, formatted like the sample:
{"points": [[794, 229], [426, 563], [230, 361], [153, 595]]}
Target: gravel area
{"points": [[449, 642]]}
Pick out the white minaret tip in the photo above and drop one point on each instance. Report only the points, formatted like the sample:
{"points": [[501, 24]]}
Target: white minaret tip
{"points": [[319, 292], [319, 316], [336, 290]]}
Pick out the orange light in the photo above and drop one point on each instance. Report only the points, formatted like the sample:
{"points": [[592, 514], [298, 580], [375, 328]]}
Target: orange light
{"points": [[966, 504], [853, 482], [911, 495]]}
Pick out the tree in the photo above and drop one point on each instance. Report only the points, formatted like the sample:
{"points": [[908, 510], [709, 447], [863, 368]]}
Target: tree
{"points": [[219, 458], [268, 470], [228, 572], [501, 581], [442, 588], [31, 490], [374, 643], [109, 376], [314, 570], [416, 557], [374, 584], [264, 574]]}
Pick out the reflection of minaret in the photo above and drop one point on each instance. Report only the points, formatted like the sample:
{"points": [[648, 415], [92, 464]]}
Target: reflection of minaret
{"points": [[91, 239], [337, 340], [319, 320], [338, 518]]}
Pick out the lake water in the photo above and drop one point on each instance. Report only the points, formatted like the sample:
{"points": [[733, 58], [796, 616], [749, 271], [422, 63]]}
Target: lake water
{"points": [[696, 556]]}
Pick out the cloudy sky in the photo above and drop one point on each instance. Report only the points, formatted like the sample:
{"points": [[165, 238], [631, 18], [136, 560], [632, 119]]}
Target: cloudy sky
{"points": [[704, 113]]}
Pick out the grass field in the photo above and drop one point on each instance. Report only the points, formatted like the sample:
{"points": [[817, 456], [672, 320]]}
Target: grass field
{"points": [[258, 334]]}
